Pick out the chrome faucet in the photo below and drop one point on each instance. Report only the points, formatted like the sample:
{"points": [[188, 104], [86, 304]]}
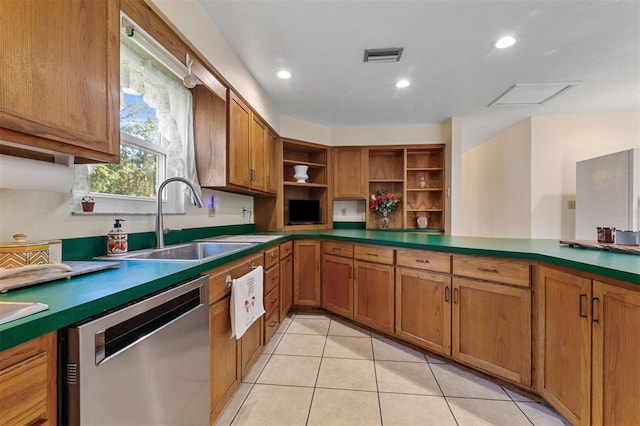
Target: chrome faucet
{"points": [[160, 230]]}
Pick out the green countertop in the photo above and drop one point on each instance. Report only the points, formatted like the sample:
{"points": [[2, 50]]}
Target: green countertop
{"points": [[78, 298]]}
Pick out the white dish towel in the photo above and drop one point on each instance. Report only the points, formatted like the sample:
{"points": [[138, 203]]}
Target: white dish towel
{"points": [[246, 301]]}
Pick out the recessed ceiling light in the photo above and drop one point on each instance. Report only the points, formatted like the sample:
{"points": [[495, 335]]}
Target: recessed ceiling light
{"points": [[506, 41], [283, 74], [403, 83]]}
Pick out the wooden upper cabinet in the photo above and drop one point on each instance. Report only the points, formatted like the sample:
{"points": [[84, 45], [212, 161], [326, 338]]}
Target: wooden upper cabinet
{"points": [[271, 164], [210, 136], [259, 139], [239, 154], [60, 76], [349, 172]]}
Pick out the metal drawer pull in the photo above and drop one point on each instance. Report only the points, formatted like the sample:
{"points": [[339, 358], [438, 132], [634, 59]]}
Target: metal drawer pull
{"points": [[422, 260], [273, 323], [253, 265], [455, 295], [483, 269], [274, 301], [273, 255], [228, 281], [593, 310], [446, 293], [275, 277], [337, 249], [583, 296], [372, 254]]}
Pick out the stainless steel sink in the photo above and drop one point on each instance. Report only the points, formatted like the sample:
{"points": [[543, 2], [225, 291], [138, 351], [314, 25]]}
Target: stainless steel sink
{"points": [[200, 251], [10, 311]]}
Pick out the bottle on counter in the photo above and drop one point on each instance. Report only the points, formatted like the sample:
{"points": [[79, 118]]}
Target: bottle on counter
{"points": [[117, 240]]}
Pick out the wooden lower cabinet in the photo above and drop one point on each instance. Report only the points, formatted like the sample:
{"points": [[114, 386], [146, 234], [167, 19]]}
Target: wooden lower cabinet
{"points": [[589, 349], [423, 309], [616, 352], [492, 328], [28, 382], [374, 291], [229, 358], [306, 273], [337, 285], [564, 328]]}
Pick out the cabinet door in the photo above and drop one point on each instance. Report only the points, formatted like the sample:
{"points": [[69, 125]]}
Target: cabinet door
{"points": [[565, 343], [251, 344], [423, 309], [223, 351], [271, 164], [374, 295], [286, 286], [28, 382], [60, 76], [492, 328], [306, 273], [259, 137], [349, 172], [616, 351], [239, 160], [337, 285], [210, 136]]}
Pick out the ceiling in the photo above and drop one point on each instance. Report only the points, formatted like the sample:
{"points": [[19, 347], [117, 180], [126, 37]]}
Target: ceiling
{"points": [[448, 57]]}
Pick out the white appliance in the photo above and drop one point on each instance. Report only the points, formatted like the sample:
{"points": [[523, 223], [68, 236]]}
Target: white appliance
{"points": [[608, 193]]}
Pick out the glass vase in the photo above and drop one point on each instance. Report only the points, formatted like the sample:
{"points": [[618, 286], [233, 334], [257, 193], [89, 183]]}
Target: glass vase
{"points": [[384, 222]]}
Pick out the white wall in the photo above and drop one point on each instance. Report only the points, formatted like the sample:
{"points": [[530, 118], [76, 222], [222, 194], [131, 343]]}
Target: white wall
{"points": [[47, 215], [557, 143], [387, 135], [496, 185], [303, 130]]}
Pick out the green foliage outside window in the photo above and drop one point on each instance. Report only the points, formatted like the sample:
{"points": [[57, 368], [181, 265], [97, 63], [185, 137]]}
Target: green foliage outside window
{"points": [[136, 174]]}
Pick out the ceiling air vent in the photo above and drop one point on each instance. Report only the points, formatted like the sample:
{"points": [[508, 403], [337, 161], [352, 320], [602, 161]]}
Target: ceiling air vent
{"points": [[391, 54]]}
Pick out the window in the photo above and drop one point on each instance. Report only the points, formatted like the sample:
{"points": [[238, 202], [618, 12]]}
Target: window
{"points": [[156, 135]]}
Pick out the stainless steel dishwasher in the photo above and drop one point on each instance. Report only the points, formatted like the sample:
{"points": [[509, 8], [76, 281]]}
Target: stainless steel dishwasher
{"points": [[146, 363]]}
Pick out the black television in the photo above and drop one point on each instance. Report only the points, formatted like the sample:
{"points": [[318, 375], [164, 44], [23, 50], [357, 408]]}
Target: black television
{"points": [[303, 211]]}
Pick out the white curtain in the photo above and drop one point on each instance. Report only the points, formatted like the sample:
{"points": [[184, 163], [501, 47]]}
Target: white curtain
{"points": [[173, 103]]}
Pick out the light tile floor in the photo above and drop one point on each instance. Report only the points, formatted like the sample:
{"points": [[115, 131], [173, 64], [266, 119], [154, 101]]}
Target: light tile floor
{"points": [[323, 370]]}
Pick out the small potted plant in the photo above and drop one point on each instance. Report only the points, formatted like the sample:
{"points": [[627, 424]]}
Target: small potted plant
{"points": [[87, 203]]}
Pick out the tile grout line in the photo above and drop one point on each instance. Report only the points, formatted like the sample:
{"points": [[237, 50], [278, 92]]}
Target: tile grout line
{"points": [[375, 375], [313, 393], [442, 391]]}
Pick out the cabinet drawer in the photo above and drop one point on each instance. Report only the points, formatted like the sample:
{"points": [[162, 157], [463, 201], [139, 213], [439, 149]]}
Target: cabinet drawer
{"points": [[270, 326], [506, 271], [271, 256], [427, 260], [271, 300], [337, 249], [217, 277], [271, 278], [375, 254], [286, 249]]}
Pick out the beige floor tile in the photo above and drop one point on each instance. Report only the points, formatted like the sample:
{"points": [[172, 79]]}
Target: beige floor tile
{"points": [[275, 405], [456, 382], [256, 368], [286, 321], [516, 396], [344, 408], [229, 412], [422, 410], [309, 326], [348, 347], [352, 374], [406, 377], [290, 370], [479, 412], [300, 344], [388, 350], [313, 315], [340, 327], [541, 415], [273, 343]]}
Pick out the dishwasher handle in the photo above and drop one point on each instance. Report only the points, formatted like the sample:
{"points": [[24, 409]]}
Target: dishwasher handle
{"points": [[116, 339]]}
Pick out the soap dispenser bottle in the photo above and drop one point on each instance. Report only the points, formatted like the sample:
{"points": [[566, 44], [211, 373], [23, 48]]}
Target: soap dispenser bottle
{"points": [[117, 240]]}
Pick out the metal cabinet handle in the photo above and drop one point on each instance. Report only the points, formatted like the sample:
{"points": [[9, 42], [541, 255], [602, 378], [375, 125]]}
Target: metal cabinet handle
{"points": [[350, 271], [447, 291], [593, 309], [583, 297], [273, 323], [273, 255], [228, 281], [484, 269], [372, 254], [422, 260], [337, 249], [275, 277], [274, 301], [455, 295], [253, 265]]}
